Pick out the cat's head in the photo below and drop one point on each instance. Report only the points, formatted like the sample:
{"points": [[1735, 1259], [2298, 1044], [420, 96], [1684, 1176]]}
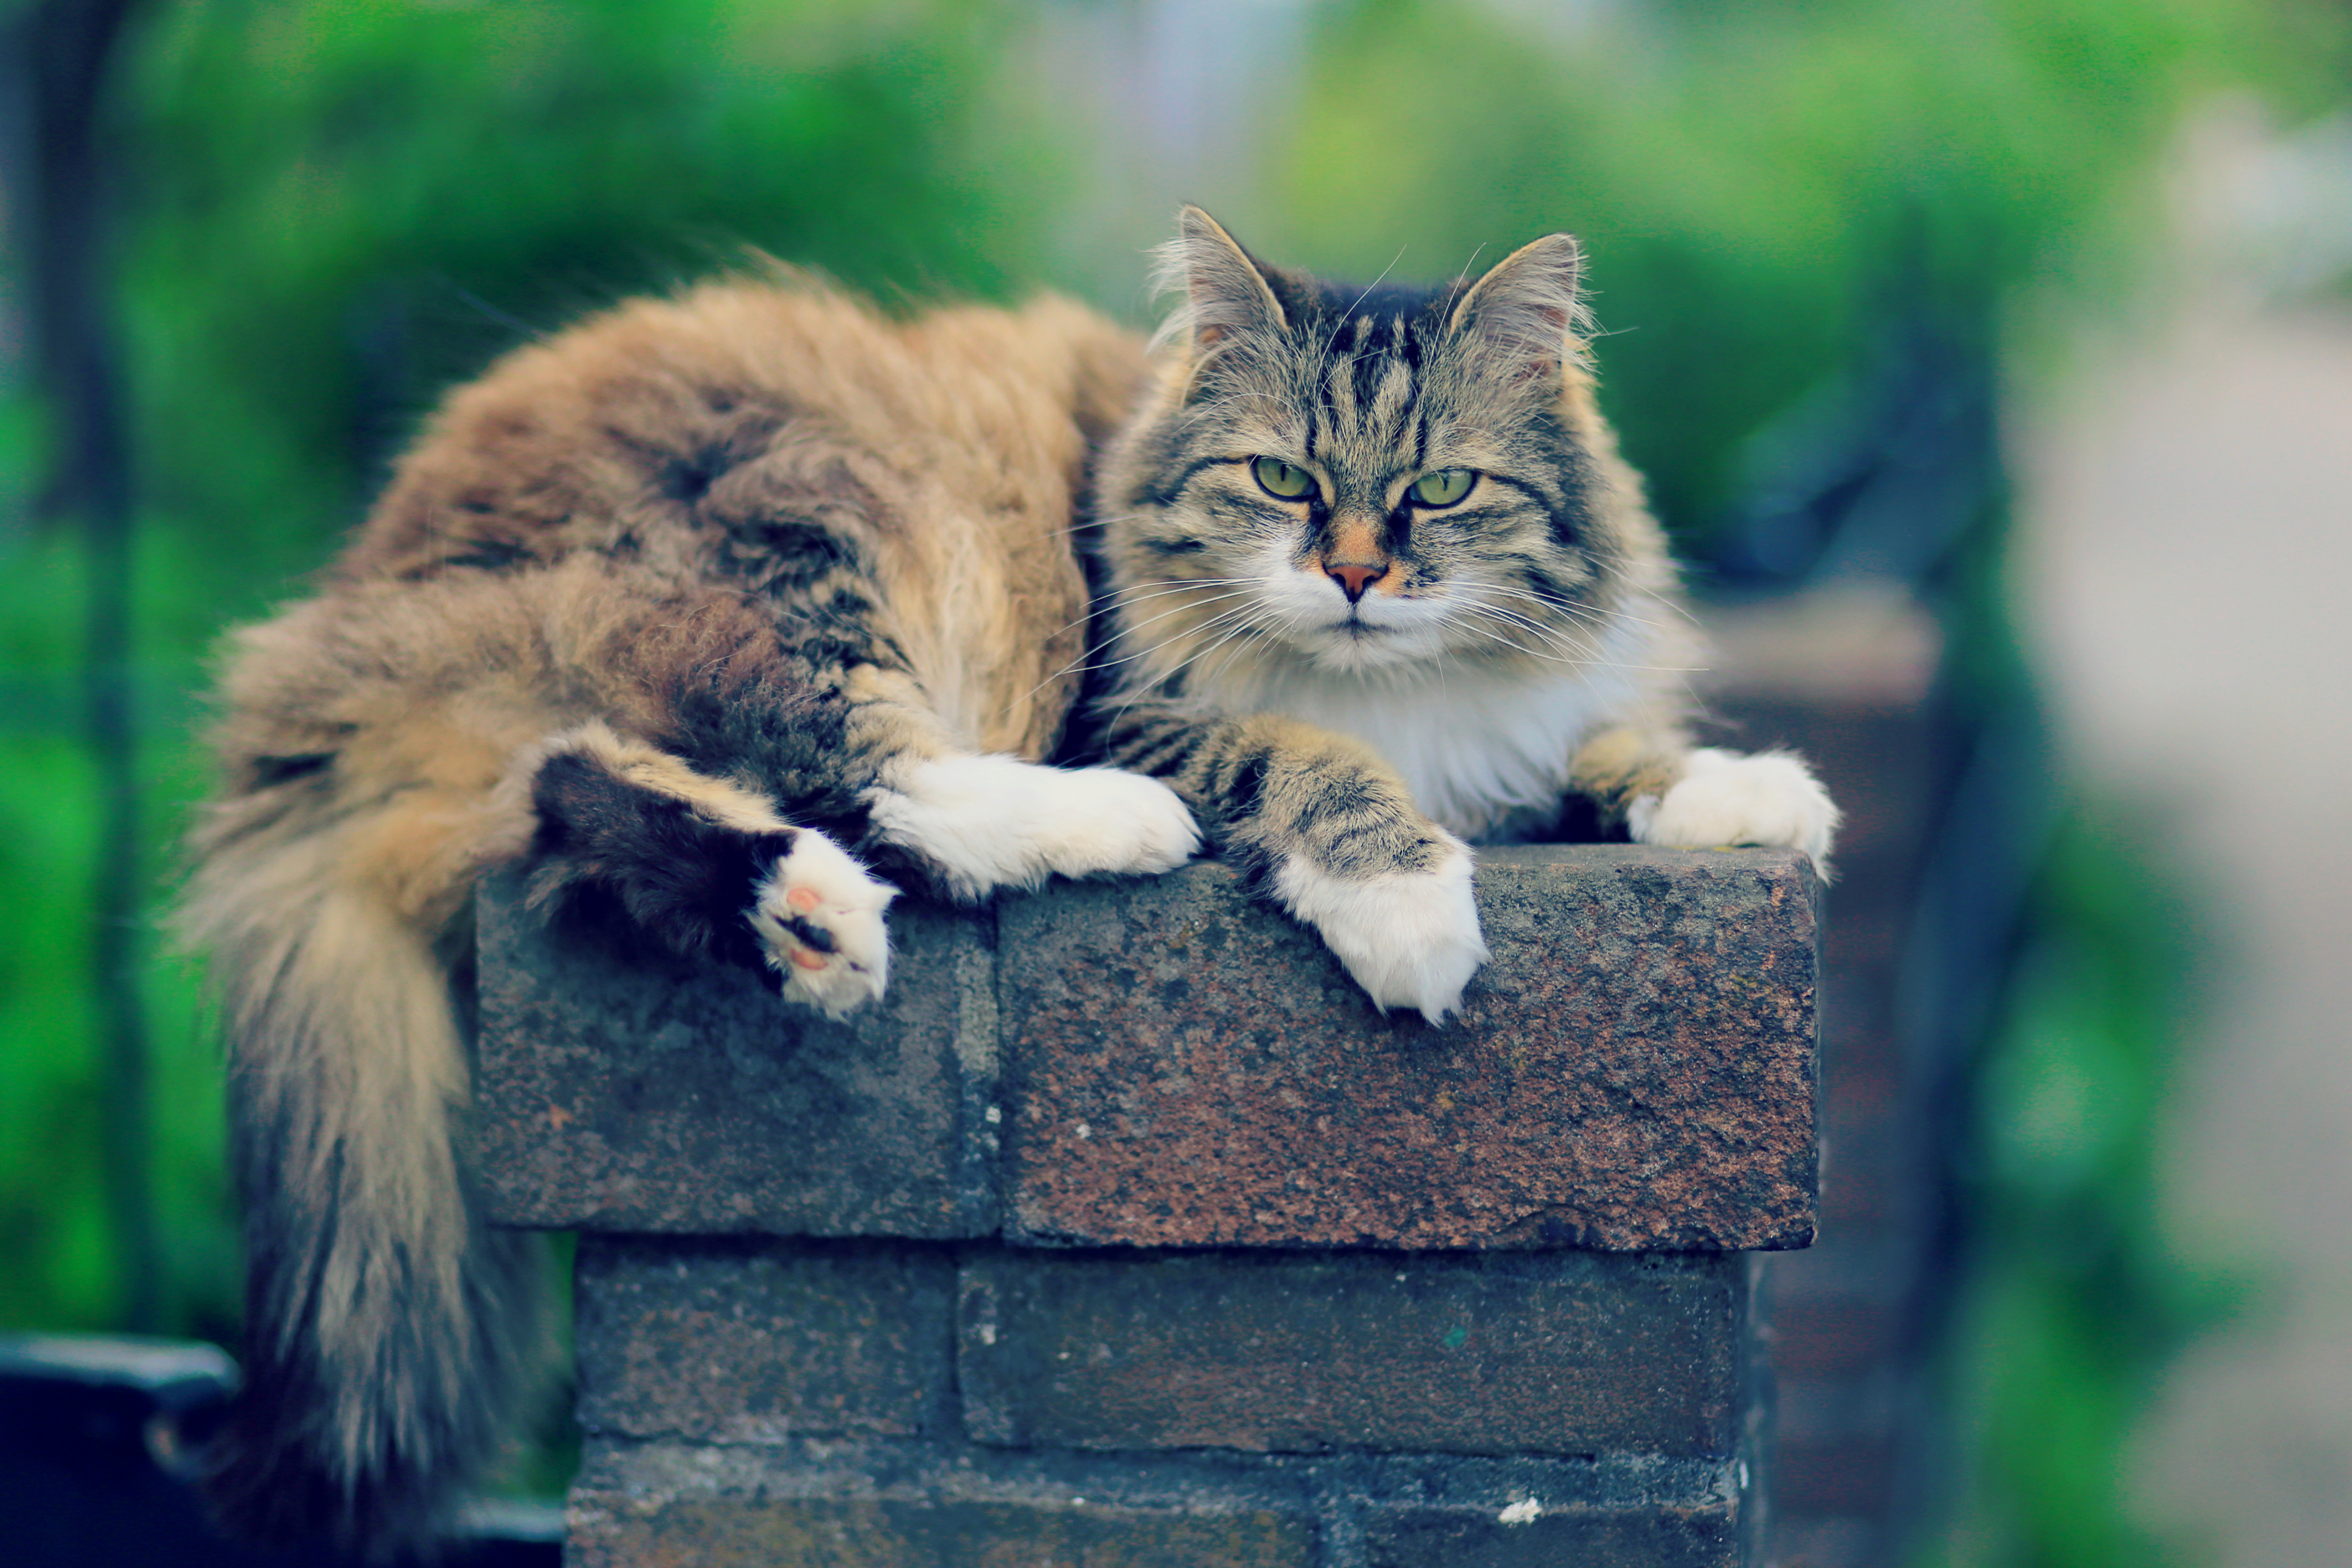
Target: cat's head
{"points": [[1338, 479]]}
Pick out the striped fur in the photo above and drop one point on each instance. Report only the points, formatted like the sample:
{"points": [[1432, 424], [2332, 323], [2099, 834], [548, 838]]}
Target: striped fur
{"points": [[1348, 684]]}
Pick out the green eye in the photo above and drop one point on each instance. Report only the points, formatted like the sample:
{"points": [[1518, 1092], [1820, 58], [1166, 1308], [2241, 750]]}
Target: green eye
{"points": [[1444, 487], [1282, 480]]}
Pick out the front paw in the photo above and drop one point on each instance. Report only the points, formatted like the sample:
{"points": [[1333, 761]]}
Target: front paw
{"points": [[819, 920], [1410, 939], [1725, 798]]}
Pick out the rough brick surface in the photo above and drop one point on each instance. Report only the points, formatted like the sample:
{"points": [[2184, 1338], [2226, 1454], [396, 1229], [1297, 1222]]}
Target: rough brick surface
{"points": [[1700, 1537], [883, 1501], [1164, 1323], [866, 1532], [619, 1092], [1559, 1353], [1634, 1069], [736, 1340]]}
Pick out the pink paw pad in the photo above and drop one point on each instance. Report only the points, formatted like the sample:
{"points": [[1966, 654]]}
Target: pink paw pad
{"points": [[804, 899]]}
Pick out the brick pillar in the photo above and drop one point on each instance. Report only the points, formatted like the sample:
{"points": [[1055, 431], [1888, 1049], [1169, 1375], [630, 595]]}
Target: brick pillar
{"points": [[1125, 1232]]}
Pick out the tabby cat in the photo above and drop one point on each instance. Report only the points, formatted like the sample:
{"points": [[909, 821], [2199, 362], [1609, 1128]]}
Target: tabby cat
{"points": [[743, 611]]}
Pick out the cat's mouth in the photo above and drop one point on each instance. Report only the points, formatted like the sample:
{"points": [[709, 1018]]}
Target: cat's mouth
{"points": [[1381, 631], [1352, 631], [1356, 644]]}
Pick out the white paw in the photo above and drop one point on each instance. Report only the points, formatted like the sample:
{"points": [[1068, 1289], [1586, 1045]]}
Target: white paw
{"points": [[820, 917], [992, 821], [1726, 798], [1410, 938]]}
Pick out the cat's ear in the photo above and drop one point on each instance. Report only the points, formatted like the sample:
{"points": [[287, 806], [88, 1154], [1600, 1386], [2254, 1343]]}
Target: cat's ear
{"points": [[1224, 292], [1529, 309]]}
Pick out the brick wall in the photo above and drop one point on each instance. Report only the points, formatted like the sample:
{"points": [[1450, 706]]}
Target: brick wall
{"points": [[1124, 1232]]}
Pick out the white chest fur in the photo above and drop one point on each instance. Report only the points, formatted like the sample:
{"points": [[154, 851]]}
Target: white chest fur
{"points": [[1476, 746]]}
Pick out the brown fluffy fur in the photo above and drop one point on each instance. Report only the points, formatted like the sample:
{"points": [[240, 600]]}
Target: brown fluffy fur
{"points": [[739, 550]]}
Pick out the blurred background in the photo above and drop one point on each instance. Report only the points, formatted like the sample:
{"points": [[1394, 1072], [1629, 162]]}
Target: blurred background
{"points": [[1991, 363]]}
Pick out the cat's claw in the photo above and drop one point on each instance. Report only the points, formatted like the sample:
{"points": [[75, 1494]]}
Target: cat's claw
{"points": [[1724, 798], [819, 916], [1411, 939], [992, 821]]}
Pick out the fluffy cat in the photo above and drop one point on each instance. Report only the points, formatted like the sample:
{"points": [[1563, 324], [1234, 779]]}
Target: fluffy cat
{"points": [[742, 610]]}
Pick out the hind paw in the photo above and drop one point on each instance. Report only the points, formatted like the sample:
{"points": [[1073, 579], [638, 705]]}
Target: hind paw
{"points": [[819, 919], [993, 822]]}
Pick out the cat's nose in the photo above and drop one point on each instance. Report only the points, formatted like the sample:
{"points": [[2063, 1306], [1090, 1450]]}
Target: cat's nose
{"points": [[1354, 577]]}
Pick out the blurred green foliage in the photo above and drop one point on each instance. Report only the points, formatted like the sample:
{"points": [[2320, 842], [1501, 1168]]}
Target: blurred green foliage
{"points": [[329, 209], [327, 212], [2075, 1298], [344, 206]]}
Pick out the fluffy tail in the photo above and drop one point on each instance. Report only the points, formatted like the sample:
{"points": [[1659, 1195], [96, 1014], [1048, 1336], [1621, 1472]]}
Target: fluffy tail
{"points": [[389, 1336]]}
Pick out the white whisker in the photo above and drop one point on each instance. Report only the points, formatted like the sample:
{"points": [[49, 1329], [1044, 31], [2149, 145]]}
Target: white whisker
{"points": [[1081, 667]]}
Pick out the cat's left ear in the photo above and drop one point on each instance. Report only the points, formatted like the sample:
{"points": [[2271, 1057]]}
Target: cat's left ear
{"points": [[1529, 308], [1225, 294]]}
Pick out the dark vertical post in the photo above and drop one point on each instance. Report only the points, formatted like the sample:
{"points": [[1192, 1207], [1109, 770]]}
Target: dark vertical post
{"points": [[62, 51]]}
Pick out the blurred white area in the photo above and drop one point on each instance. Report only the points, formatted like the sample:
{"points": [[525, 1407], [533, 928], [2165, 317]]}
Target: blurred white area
{"points": [[1859, 641], [2185, 561], [1177, 101]]}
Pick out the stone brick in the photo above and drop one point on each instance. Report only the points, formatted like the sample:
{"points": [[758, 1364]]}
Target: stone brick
{"points": [[1702, 1537], [623, 1092], [617, 1531], [1634, 1069], [1564, 1353], [922, 1501], [747, 1341]]}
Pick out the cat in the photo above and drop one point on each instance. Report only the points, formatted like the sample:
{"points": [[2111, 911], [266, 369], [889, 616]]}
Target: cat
{"points": [[740, 611]]}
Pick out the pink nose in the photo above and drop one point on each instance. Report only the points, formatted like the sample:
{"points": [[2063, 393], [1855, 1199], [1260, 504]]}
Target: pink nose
{"points": [[1353, 579]]}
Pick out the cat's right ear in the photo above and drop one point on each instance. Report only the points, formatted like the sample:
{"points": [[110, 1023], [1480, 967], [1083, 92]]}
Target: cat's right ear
{"points": [[1527, 313], [1224, 292]]}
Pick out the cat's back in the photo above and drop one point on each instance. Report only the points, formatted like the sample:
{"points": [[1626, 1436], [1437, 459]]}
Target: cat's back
{"points": [[644, 418], [737, 432]]}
